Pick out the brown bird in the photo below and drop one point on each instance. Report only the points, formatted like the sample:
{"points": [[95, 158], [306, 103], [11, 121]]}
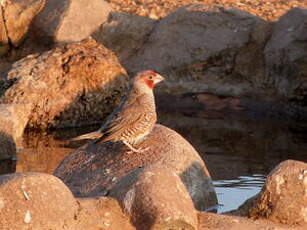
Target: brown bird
{"points": [[135, 116]]}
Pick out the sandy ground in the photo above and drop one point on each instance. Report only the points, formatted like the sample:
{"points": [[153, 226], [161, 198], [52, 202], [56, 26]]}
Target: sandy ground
{"points": [[268, 10]]}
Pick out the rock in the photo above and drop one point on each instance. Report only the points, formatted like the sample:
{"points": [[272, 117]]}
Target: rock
{"points": [[41, 201], [7, 166], [283, 198], [18, 16], [93, 169], [7, 147], [35, 201], [198, 47], [124, 34], [101, 213], [71, 85], [210, 221], [13, 120], [69, 20], [4, 40], [155, 198], [285, 56]]}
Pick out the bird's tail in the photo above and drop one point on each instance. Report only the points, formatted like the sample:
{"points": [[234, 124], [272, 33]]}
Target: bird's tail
{"points": [[92, 135]]}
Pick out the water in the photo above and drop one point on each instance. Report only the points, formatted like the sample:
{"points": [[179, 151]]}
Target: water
{"points": [[239, 151], [232, 193]]}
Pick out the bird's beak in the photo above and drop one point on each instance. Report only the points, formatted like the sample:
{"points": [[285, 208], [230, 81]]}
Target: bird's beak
{"points": [[158, 79]]}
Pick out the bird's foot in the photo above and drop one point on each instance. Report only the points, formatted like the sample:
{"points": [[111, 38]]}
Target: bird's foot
{"points": [[134, 150], [139, 150]]}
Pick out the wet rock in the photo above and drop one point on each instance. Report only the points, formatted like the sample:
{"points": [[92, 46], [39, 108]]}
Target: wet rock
{"points": [[35, 201], [285, 56], [283, 198], [94, 169], [124, 33], [70, 85], [18, 16], [69, 20], [198, 47], [155, 198], [101, 213], [14, 119]]}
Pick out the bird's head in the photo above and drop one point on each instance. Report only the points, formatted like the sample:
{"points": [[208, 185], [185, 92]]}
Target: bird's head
{"points": [[148, 78]]}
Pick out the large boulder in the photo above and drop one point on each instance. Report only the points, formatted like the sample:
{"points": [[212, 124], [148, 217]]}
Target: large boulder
{"points": [[286, 56], [70, 85], [35, 201], [18, 15], [124, 33], [69, 20], [283, 198], [205, 48], [155, 198], [95, 168], [41, 201]]}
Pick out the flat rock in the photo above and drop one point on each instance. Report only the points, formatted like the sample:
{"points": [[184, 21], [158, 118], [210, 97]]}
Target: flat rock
{"points": [[155, 198], [94, 169], [69, 20], [76, 84], [211, 221]]}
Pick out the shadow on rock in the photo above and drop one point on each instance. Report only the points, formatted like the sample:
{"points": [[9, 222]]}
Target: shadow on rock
{"points": [[7, 153], [155, 198], [76, 84], [7, 146]]}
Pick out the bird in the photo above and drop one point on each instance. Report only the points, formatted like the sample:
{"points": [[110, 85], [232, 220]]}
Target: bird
{"points": [[135, 116]]}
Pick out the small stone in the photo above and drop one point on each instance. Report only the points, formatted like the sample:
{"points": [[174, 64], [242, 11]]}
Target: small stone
{"points": [[27, 218]]}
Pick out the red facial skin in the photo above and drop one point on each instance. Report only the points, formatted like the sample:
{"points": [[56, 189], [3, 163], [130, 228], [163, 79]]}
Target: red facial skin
{"points": [[149, 79], [149, 83]]}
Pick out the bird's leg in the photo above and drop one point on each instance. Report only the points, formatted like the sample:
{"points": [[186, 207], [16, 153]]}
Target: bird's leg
{"points": [[134, 149]]}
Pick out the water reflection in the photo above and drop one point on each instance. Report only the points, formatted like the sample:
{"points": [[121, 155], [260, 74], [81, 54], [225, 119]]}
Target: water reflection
{"points": [[239, 152], [232, 193], [235, 146], [41, 153]]}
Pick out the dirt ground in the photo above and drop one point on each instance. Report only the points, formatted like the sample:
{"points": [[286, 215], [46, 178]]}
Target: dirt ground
{"points": [[269, 10]]}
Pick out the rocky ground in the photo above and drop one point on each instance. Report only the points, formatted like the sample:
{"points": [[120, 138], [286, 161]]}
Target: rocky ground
{"points": [[268, 10]]}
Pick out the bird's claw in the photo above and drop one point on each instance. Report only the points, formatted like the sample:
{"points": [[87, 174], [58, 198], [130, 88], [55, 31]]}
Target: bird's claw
{"points": [[139, 150]]}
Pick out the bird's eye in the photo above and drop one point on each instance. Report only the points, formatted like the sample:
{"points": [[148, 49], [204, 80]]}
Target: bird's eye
{"points": [[150, 77]]}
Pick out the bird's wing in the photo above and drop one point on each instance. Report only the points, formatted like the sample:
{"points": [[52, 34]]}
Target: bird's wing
{"points": [[124, 116]]}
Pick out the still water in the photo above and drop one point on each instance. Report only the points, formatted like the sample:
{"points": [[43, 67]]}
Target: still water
{"points": [[239, 152]]}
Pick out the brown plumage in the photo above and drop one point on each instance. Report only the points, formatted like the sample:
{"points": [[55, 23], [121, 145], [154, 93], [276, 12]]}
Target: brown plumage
{"points": [[135, 117]]}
